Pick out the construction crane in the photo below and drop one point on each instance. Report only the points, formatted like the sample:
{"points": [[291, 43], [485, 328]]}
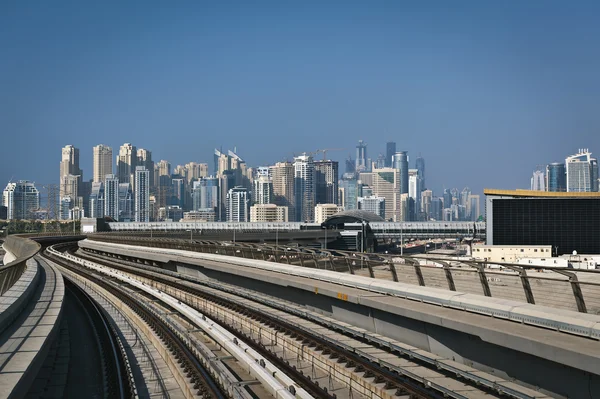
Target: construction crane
{"points": [[324, 151]]}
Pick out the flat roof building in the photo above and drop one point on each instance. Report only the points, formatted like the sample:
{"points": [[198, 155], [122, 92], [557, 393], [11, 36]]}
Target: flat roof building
{"points": [[568, 221]]}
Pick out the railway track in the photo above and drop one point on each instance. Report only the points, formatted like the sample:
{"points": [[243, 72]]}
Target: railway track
{"points": [[385, 378], [203, 384], [117, 375]]}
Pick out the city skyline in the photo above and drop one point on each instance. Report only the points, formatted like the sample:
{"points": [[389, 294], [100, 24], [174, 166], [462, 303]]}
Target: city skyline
{"points": [[470, 87]]}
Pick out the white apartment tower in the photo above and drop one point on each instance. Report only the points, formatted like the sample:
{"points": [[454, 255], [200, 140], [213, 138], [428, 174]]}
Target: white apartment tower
{"points": [[142, 194], [304, 184], [237, 204], [102, 162], [21, 199], [579, 172], [538, 181], [263, 190]]}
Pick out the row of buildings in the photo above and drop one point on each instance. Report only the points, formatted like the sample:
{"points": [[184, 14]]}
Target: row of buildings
{"points": [[577, 174], [135, 188]]}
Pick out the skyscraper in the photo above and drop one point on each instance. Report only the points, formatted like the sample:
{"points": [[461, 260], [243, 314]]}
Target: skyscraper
{"points": [[579, 172], [282, 174], [326, 182], [69, 165], [96, 201], [126, 205], [420, 166], [304, 183], [401, 164], [205, 194], [594, 173], [538, 181], [237, 205], [144, 158], [556, 176], [102, 162], [361, 157], [386, 183], [21, 199], [142, 194], [126, 163], [390, 150], [111, 197], [414, 190], [263, 190], [349, 190]]}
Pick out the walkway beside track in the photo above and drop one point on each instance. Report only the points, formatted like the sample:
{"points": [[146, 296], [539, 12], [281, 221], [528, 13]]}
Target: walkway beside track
{"points": [[25, 342]]}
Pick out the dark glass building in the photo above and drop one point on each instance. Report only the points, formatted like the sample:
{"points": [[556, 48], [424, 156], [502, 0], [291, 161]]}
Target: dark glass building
{"points": [[401, 163], [557, 177], [390, 150], [566, 221]]}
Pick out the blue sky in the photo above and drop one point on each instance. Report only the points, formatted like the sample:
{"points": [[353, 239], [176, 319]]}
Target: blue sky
{"points": [[485, 91]]}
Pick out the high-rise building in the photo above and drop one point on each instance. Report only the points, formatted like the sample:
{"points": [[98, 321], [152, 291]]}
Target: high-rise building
{"points": [[126, 163], [427, 204], [473, 208], [111, 197], [205, 194], [69, 166], [386, 183], [21, 200], [178, 197], [304, 183], [361, 157], [407, 206], [390, 150], [222, 163], [70, 186], [195, 171], [414, 190], [282, 175], [348, 189], [556, 176], [447, 198], [263, 190], [226, 182], [594, 173], [268, 213], [142, 194], [326, 173], [103, 163], [350, 165], [96, 201], [323, 211], [579, 172], [126, 206], [164, 168], [237, 204], [538, 181], [373, 204], [144, 158], [437, 206], [401, 164], [420, 166]]}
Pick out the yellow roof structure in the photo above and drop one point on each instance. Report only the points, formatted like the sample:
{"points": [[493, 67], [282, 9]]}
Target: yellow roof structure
{"points": [[541, 194]]}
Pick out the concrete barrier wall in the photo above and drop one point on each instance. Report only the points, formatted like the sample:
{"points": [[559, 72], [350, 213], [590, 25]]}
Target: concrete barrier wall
{"points": [[21, 248]]}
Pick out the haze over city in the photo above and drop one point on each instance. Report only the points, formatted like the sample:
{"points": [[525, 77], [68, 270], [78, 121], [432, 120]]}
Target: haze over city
{"points": [[485, 92]]}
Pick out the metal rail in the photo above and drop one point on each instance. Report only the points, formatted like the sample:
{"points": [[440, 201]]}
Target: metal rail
{"points": [[118, 376], [353, 263], [203, 381], [347, 355]]}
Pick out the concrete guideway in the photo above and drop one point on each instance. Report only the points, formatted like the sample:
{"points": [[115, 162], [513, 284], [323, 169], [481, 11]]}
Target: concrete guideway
{"points": [[268, 374], [542, 343], [25, 342], [404, 365]]}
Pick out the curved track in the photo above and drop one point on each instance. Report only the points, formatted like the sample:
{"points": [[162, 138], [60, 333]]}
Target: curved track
{"points": [[204, 385]]}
